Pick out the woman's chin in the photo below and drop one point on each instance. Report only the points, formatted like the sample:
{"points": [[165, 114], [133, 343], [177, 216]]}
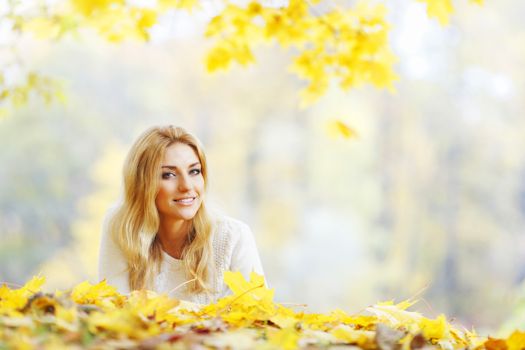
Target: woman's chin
{"points": [[186, 214]]}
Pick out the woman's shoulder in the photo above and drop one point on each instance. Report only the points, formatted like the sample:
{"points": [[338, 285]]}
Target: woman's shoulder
{"points": [[227, 234], [226, 226], [232, 240]]}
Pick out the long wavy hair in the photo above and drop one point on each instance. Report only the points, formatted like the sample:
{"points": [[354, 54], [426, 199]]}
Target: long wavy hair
{"points": [[135, 224]]}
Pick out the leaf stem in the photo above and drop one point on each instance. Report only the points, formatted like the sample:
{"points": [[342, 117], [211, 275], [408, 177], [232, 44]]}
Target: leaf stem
{"points": [[240, 296]]}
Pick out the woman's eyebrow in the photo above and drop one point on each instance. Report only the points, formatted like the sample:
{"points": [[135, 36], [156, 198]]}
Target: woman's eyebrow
{"points": [[175, 167]]}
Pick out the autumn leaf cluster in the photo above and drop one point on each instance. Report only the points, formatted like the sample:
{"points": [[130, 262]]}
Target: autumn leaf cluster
{"points": [[442, 9], [96, 316], [329, 43], [346, 45]]}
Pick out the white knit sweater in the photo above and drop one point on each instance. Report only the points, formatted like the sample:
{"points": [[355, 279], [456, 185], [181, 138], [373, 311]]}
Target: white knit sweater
{"points": [[234, 249]]}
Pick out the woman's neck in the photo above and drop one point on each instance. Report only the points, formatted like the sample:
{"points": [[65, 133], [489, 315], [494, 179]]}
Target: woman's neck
{"points": [[173, 235]]}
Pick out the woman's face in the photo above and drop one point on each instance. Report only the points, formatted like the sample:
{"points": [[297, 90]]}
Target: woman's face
{"points": [[181, 185]]}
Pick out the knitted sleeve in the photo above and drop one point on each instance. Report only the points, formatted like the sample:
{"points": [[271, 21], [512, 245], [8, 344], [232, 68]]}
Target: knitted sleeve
{"points": [[112, 264]]}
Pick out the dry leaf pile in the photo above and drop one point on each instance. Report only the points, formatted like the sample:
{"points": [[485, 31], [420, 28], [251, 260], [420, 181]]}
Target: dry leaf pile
{"points": [[97, 317]]}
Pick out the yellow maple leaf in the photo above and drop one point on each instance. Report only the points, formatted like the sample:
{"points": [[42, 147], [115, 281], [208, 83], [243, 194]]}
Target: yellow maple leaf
{"points": [[249, 292], [145, 19], [284, 318], [337, 128], [361, 338], [33, 286], [357, 321], [143, 314], [396, 314], [435, 329], [89, 7], [150, 305], [403, 305], [215, 26], [12, 300], [254, 9], [218, 57], [67, 318], [242, 53], [319, 321], [119, 321], [190, 4], [440, 9], [98, 294], [285, 338], [251, 301], [313, 91], [238, 285], [516, 341]]}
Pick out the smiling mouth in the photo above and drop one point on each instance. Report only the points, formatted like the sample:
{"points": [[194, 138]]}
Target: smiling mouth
{"points": [[188, 200]]}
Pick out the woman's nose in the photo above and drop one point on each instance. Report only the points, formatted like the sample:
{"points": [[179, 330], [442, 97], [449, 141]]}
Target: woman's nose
{"points": [[184, 183]]}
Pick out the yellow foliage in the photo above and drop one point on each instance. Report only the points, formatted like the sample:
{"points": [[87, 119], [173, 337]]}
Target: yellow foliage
{"points": [[188, 5], [86, 293], [96, 316], [66, 318], [146, 18], [224, 53], [285, 338], [11, 301], [439, 9], [284, 318], [352, 336], [119, 321], [396, 314], [346, 45], [250, 300], [435, 329], [349, 45], [443, 9], [516, 341], [337, 128], [18, 95], [150, 305], [117, 20]]}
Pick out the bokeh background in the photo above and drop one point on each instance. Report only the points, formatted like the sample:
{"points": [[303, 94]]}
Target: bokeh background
{"points": [[428, 201]]}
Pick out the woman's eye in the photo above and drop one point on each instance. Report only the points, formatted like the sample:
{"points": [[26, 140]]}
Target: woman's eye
{"points": [[195, 171], [167, 175]]}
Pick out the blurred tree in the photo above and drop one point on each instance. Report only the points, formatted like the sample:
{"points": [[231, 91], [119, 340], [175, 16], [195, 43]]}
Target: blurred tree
{"points": [[42, 172], [77, 261]]}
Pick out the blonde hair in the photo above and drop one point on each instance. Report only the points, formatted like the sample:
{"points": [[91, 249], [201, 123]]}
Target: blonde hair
{"points": [[135, 224]]}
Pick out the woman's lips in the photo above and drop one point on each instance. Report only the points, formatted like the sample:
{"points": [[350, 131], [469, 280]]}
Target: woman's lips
{"points": [[185, 201]]}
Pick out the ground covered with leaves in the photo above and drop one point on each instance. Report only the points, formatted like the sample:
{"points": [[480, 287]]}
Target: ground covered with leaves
{"points": [[97, 317]]}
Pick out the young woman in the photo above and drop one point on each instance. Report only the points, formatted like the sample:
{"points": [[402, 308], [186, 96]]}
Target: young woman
{"points": [[161, 236]]}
